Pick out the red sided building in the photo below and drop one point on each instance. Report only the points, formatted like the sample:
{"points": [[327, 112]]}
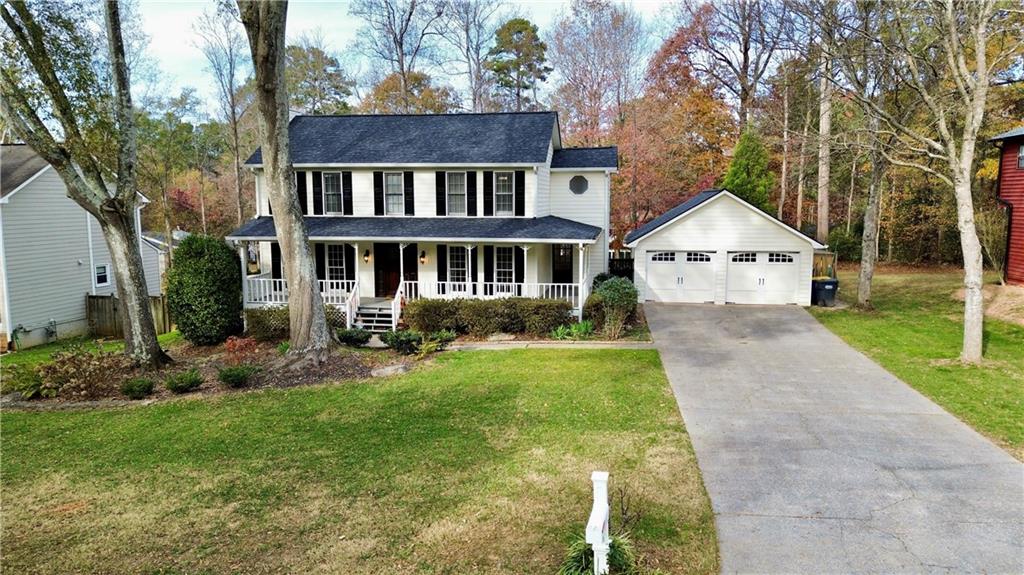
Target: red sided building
{"points": [[1011, 194]]}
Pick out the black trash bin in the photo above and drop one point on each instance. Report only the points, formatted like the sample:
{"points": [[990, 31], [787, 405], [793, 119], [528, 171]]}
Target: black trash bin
{"points": [[823, 292]]}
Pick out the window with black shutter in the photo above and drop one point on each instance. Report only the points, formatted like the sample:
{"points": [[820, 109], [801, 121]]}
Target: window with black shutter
{"points": [[318, 194]]}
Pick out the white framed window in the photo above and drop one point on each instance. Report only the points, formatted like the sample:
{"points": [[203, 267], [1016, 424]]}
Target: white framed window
{"points": [[102, 275], [332, 192], [698, 257], [776, 258], [335, 262], [744, 258], [394, 194], [504, 264], [663, 257], [456, 193], [458, 264], [504, 196], [1020, 157]]}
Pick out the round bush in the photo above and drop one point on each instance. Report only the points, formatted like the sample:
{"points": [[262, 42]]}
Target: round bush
{"points": [[618, 300], [184, 382], [236, 376], [137, 388], [204, 290]]}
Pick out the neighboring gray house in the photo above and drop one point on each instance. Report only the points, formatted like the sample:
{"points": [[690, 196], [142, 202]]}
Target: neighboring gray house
{"points": [[400, 207], [52, 253]]}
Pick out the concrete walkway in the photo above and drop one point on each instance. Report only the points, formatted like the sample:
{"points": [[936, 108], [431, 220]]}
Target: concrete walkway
{"points": [[819, 461], [541, 344]]}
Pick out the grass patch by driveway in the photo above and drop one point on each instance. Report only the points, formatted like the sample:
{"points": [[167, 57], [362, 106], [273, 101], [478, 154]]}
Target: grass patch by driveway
{"points": [[916, 333], [41, 353], [479, 463]]}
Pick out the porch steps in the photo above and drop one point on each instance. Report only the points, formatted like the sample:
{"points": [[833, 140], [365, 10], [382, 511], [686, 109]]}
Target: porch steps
{"points": [[374, 318]]}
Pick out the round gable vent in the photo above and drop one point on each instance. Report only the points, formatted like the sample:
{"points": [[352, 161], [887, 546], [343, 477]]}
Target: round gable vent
{"points": [[578, 184]]}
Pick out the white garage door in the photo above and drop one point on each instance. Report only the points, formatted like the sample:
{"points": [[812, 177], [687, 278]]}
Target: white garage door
{"points": [[762, 277], [687, 277]]}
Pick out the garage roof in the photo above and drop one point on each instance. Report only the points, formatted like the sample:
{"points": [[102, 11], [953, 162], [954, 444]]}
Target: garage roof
{"points": [[701, 199]]}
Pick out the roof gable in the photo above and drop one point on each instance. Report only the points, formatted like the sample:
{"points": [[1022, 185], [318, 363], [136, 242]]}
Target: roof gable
{"points": [[702, 199], [1014, 133], [500, 138], [19, 164], [605, 158]]}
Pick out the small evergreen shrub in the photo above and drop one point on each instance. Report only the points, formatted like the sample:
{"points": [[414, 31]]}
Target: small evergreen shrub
{"points": [[138, 388], [184, 382], [540, 316], [435, 342], [600, 279], [593, 310], [204, 290], [354, 337], [479, 316], [618, 299], [403, 341], [236, 376], [427, 315], [622, 557]]}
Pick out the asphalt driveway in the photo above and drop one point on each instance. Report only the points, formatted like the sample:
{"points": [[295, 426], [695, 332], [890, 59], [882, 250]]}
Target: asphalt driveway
{"points": [[817, 460]]}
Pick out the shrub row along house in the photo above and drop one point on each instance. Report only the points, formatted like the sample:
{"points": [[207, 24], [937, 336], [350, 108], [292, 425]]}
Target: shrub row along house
{"points": [[52, 253], [400, 207]]}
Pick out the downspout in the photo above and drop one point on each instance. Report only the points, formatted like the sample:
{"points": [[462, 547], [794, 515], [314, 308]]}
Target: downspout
{"points": [[7, 294]]}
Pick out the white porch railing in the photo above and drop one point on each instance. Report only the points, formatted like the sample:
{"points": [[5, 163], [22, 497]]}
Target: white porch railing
{"points": [[396, 305], [264, 290], [492, 290]]}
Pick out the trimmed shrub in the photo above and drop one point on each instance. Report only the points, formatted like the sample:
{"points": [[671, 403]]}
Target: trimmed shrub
{"points": [[479, 317], [184, 382], [618, 300], [236, 376], [600, 279], [404, 341], [540, 316], [593, 310], [82, 374], [204, 290], [138, 388], [511, 315], [354, 337], [427, 315], [271, 323]]}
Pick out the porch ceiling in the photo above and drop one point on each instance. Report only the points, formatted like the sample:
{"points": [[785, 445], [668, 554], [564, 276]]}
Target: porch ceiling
{"points": [[548, 229]]}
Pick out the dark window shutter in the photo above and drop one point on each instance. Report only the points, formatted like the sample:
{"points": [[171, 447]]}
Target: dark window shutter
{"points": [[411, 255], [350, 262], [519, 261], [378, 193], [275, 261], [488, 264], [474, 268], [410, 199], [300, 190], [519, 189], [346, 193], [442, 263], [321, 261], [470, 193], [318, 193], [488, 193], [442, 201]]}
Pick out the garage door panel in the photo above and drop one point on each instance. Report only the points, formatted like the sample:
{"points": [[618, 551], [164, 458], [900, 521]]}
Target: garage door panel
{"points": [[781, 277], [762, 277], [698, 277], [743, 278], [662, 276]]}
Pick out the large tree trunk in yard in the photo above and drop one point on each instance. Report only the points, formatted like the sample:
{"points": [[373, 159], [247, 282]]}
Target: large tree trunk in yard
{"points": [[824, 154], [974, 310], [869, 242], [265, 26]]}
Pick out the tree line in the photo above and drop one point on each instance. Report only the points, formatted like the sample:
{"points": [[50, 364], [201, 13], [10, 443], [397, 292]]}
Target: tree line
{"points": [[862, 124]]}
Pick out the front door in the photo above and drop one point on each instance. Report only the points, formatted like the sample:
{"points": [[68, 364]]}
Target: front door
{"points": [[386, 269], [561, 264]]}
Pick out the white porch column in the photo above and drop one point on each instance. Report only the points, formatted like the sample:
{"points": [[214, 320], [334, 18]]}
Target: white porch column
{"points": [[243, 254], [355, 274], [401, 265], [474, 280], [526, 278], [582, 279]]}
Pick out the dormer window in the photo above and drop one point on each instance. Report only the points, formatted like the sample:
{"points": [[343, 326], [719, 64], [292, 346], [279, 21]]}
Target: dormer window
{"points": [[456, 193], [504, 203]]}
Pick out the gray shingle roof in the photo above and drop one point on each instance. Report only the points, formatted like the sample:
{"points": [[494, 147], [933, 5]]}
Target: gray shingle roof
{"points": [[18, 163], [1014, 133], [420, 139], [607, 157], [671, 214], [446, 229]]}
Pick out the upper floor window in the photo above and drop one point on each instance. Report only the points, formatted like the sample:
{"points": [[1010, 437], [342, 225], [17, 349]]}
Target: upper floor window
{"points": [[504, 202], [1020, 157], [332, 192], [456, 193], [394, 195], [102, 275]]}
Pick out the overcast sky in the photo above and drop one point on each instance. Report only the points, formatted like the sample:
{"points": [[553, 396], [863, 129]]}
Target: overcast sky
{"points": [[169, 25]]}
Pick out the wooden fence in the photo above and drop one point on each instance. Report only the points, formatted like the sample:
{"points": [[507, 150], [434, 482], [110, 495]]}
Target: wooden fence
{"points": [[105, 320], [824, 264]]}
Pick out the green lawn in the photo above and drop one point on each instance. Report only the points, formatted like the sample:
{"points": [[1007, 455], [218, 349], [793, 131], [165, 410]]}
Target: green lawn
{"points": [[41, 353], [479, 463], [916, 333]]}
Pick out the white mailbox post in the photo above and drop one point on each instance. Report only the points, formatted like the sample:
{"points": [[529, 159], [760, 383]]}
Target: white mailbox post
{"points": [[597, 526]]}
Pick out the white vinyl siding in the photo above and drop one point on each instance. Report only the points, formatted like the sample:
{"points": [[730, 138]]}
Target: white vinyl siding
{"points": [[504, 194], [591, 207], [456, 193], [394, 194]]}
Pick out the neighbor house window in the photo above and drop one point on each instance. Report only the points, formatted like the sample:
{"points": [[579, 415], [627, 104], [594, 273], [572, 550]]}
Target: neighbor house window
{"points": [[102, 275], [335, 262], [504, 266], [456, 193], [1020, 157], [504, 204], [457, 264], [394, 195], [332, 193]]}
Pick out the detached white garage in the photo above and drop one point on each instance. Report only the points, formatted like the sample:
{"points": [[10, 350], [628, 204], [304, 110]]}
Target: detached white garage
{"points": [[717, 248]]}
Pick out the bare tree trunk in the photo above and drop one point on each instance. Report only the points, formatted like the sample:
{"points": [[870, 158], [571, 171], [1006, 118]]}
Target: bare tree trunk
{"points": [[801, 166], [785, 149], [849, 196], [869, 242], [238, 168], [265, 25], [974, 310], [202, 199], [824, 152]]}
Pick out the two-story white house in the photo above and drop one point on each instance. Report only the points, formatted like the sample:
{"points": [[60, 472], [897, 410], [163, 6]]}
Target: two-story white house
{"points": [[400, 207]]}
